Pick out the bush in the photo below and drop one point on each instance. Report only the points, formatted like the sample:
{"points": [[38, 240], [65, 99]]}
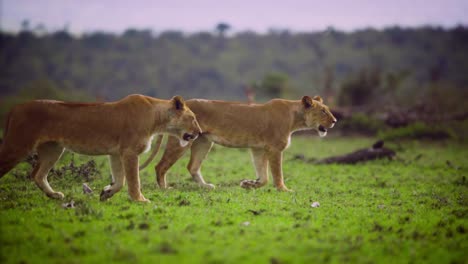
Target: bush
{"points": [[273, 85], [418, 131], [38, 89], [359, 90], [361, 123]]}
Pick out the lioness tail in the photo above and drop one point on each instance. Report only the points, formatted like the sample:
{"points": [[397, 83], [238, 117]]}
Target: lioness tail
{"points": [[153, 153]]}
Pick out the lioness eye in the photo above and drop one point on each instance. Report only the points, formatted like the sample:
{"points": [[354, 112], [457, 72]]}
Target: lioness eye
{"points": [[324, 112]]}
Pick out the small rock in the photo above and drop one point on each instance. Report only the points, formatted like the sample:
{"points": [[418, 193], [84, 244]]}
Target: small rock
{"points": [[254, 212], [246, 223], [299, 157], [71, 204], [315, 204], [87, 189]]}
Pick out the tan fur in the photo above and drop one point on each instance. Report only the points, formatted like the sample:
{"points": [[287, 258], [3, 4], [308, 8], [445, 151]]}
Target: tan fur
{"points": [[264, 128], [121, 129]]}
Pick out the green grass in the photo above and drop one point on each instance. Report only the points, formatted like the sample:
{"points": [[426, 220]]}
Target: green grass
{"points": [[410, 210]]}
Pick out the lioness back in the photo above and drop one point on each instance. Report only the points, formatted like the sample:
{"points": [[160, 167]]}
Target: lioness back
{"points": [[77, 126]]}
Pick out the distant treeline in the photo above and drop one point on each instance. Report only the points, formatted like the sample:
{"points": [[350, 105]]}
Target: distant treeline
{"points": [[398, 61]]}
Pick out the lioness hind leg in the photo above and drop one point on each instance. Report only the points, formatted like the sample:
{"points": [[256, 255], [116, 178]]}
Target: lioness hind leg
{"points": [[48, 154], [172, 153], [6, 166], [10, 156], [260, 162], [130, 165], [199, 151], [8, 162], [118, 178]]}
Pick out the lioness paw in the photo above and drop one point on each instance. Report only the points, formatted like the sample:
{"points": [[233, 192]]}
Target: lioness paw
{"points": [[106, 194], [56, 195], [248, 184], [284, 189], [208, 186], [143, 200]]}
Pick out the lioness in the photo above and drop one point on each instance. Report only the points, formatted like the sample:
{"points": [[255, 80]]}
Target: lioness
{"points": [[121, 129], [264, 128]]}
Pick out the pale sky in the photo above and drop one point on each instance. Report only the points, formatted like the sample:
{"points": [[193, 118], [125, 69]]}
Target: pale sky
{"points": [[202, 15]]}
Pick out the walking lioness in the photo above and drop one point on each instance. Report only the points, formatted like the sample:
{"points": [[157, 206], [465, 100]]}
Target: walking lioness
{"points": [[264, 128], [121, 129]]}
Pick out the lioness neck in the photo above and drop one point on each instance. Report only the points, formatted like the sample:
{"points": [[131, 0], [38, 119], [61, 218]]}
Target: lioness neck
{"points": [[161, 114], [297, 120]]}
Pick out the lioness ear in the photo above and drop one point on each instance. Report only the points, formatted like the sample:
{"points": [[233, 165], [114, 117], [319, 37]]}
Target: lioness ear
{"points": [[178, 102], [307, 102], [318, 98]]}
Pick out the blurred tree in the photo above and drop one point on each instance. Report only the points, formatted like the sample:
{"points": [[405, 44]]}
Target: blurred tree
{"points": [[222, 28], [360, 90], [25, 25], [39, 89], [172, 35], [62, 35], [204, 65], [328, 90], [40, 29], [394, 80], [273, 85]]}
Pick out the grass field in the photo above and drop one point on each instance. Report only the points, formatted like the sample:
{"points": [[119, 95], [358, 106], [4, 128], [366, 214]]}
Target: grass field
{"points": [[410, 210]]}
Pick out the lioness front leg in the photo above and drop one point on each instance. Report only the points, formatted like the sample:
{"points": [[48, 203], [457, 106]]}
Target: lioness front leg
{"points": [[172, 153], [260, 162], [200, 148], [130, 164], [275, 159], [118, 178]]}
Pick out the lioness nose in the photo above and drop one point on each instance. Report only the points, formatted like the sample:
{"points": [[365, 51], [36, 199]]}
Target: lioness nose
{"points": [[334, 121]]}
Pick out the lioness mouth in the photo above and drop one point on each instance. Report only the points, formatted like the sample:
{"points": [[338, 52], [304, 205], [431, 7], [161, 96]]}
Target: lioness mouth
{"points": [[188, 136], [322, 131]]}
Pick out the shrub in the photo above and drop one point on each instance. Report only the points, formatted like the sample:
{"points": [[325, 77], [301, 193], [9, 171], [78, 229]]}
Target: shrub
{"points": [[417, 131], [361, 123], [359, 90]]}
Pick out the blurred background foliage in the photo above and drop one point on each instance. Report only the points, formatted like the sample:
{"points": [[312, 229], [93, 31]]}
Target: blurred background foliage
{"points": [[387, 75]]}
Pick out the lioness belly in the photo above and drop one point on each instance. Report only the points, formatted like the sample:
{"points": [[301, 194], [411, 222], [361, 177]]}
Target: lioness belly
{"points": [[91, 149], [235, 142]]}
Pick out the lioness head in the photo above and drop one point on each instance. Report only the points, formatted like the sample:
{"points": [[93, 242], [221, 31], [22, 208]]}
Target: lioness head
{"points": [[317, 115], [183, 123]]}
